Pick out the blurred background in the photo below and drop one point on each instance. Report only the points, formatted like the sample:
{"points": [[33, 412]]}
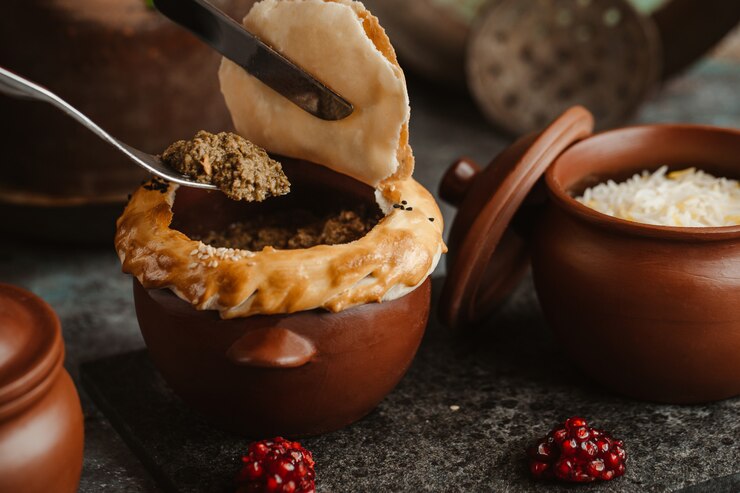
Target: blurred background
{"points": [[480, 73], [518, 62]]}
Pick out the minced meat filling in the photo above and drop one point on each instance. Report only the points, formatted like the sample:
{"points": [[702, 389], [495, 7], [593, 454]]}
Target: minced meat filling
{"points": [[293, 229], [239, 168]]}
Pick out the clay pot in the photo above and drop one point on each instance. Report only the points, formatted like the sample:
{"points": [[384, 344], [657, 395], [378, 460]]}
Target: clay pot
{"points": [[650, 312], [138, 75], [41, 422], [296, 374]]}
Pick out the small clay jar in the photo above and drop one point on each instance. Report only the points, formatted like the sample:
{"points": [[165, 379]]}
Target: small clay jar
{"points": [[41, 421], [297, 374], [651, 312]]}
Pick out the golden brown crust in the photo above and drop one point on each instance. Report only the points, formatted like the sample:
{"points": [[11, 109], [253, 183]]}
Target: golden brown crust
{"points": [[371, 145], [378, 36], [405, 156], [390, 261], [373, 29]]}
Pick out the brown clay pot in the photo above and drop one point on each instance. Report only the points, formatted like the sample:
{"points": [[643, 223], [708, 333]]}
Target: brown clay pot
{"points": [[301, 374], [652, 312], [135, 73], [296, 374], [41, 422]]}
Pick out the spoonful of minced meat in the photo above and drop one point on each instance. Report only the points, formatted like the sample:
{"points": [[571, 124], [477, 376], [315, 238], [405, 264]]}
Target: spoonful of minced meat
{"points": [[242, 170]]}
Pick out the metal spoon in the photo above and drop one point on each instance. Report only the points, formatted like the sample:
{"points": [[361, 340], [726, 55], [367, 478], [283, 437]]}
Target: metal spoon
{"points": [[18, 87]]}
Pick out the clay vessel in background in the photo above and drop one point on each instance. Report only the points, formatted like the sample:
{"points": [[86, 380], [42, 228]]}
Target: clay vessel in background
{"points": [[142, 78], [296, 374], [41, 422], [651, 312]]}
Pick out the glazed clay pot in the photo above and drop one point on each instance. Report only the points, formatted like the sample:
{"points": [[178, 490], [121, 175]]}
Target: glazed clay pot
{"points": [[651, 312], [300, 374], [296, 374], [41, 422]]}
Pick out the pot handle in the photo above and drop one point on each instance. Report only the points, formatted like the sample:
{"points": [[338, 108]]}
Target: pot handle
{"points": [[271, 347]]}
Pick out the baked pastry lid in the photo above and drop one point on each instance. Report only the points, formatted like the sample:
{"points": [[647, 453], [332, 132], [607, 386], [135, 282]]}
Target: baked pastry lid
{"points": [[487, 258], [30, 342], [342, 44]]}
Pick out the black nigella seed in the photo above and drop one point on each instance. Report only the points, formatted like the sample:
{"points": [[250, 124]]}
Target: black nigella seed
{"points": [[404, 202], [409, 208], [156, 184], [431, 219], [397, 206]]}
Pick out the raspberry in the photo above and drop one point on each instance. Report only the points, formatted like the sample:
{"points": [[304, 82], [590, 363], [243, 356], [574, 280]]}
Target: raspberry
{"points": [[577, 453], [277, 466]]}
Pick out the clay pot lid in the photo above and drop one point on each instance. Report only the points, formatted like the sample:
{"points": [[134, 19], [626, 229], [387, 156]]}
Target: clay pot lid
{"points": [[30, 341], [486, 258]]}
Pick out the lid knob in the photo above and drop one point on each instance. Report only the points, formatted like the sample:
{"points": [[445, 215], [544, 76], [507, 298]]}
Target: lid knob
{"points": [[457, 180]]}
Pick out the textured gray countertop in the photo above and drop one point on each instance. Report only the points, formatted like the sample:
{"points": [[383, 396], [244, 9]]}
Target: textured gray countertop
{"points": [[509, 383], [93, 299]]}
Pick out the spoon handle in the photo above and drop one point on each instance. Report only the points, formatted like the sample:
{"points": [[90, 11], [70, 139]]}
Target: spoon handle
{"points": [[18, 87]]}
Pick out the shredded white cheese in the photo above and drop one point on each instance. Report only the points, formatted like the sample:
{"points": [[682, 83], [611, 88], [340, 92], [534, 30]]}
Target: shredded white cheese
{"points": [[686, 198]]}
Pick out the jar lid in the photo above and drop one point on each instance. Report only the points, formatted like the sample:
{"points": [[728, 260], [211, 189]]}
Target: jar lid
{"points": [[487, 258], [30, 341]]}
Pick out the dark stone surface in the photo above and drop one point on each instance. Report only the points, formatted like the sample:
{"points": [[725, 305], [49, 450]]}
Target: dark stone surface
{"points": [[511, 384]]}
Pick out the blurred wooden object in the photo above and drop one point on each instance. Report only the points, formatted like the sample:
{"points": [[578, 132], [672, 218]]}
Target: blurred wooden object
{"points": [[529, 60], [432, 37]]}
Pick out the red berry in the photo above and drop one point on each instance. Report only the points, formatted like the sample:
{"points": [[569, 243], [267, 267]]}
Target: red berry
{"points": [[277, 466], [578, 453], [563, 469], [575, 422], [538, 468], [569, 446], [559, 434], [541, 452], [253, 470], [612, 460], [588, 450], [582, 477], [582, 433], [596, 467]]}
